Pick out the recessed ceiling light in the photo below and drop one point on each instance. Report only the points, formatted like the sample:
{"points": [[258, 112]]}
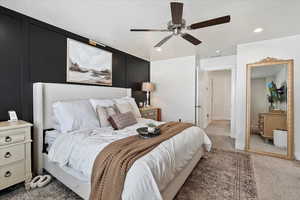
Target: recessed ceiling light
{"points": [[158, 48], [258, 30]]}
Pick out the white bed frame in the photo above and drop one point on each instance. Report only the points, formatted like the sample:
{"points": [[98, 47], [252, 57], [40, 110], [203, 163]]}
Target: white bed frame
{"points": [[44, 95]]}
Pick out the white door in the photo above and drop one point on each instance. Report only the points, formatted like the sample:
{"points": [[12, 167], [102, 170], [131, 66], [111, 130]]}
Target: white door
{"points": [[202, 94]]}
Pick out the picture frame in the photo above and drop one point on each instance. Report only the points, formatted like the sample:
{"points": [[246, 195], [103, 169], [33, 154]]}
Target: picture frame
{"points": [[12, 116], [88, 64]]}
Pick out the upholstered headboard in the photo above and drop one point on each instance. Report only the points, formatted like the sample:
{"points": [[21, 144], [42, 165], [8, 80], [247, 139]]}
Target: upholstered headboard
{"points": [[45, 94]]}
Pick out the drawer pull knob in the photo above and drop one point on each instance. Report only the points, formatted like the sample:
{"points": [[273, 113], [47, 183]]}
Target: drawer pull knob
{"points": [[8, 139], [7, 155], [7, 174]]}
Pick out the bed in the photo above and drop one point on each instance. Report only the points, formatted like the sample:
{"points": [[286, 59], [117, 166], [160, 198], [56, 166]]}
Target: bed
{"points": [[171, 171]]}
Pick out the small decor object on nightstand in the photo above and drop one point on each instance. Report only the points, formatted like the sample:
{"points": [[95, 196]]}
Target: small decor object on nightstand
{"points": [[148, 87], [15, 152], [141, 104], [12, 116]]}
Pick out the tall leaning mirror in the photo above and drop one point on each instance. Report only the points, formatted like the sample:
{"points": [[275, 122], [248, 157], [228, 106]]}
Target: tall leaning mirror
{"points": [[270, 108]]}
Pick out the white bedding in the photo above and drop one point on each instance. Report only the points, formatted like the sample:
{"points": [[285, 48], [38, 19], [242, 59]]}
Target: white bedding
{"points": [[50, 137], [149, 175]]}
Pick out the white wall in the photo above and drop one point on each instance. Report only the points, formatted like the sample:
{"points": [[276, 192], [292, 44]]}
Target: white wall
{"points": [[218, 63], [282, 48], [221, 94], [175, 88]]}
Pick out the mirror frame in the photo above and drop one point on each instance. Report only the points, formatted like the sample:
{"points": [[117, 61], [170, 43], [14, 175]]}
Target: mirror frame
{"points": [[290, 106]]}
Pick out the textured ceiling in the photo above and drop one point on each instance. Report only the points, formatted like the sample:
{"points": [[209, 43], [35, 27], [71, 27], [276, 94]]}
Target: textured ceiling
{"points": [[109, 21]]}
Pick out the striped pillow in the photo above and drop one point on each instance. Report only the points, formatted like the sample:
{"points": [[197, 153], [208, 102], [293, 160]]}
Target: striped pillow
{"points": [[122, 120], [104, 113]]}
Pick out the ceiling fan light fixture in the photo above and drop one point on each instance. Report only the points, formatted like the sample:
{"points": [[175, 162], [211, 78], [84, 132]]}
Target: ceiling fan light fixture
{"points": [[177, 25], [258, 30]]}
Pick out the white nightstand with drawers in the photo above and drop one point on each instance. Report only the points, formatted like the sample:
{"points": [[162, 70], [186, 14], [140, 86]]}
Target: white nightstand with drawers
{"points": [[15, 153]]}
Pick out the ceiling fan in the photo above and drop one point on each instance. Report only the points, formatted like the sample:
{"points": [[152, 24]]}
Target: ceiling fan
{"points": [[178, 24]]}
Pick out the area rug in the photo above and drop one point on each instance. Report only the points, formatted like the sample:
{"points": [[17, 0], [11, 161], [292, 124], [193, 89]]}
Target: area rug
{"points": [[53, 191], [220, 175]]}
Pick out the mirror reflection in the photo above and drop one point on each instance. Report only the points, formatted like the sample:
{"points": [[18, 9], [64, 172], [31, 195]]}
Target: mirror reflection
{"points": [[268, 108]]}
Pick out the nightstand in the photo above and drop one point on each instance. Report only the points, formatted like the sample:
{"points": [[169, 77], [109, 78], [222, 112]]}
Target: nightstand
{"points": [[151, 113], [15, 153]]}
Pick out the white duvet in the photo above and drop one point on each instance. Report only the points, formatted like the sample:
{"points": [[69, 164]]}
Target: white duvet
{"points": [[149, 175]]}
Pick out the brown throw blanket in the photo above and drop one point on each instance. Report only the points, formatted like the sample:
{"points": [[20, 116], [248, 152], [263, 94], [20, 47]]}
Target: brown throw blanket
{"points": [[114, 161]]}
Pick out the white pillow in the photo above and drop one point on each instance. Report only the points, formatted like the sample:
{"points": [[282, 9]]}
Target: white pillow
{"points": [[55, 122], [75, 115], [132, 102], [124, 107], [101, 102]]}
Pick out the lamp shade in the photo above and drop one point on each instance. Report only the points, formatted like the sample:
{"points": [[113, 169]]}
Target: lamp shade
{"points": [[147, 87]]}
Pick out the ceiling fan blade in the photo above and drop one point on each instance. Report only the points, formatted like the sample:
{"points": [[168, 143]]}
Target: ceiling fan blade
{"points": [[212, 22], [154, 30], [190, 38], [176, 11], [163, 41]]}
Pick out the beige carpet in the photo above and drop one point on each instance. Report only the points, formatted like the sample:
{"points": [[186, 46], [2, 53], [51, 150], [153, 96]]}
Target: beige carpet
{"points": [[219, 127]]}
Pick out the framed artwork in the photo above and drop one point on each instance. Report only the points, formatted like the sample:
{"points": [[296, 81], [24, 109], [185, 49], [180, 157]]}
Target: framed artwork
{"points": [[88, 64]]}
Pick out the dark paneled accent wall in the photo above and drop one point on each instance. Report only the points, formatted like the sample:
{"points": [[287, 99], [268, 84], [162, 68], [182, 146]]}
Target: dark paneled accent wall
{"points": [[10, 63], [33, 51], [139, 71]]}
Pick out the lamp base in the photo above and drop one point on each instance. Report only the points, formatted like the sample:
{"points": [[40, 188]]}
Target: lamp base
{"points": [[148, 96]]}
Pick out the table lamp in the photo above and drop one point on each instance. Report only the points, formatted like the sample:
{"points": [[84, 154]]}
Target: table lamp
{"points": [[147, 87]]}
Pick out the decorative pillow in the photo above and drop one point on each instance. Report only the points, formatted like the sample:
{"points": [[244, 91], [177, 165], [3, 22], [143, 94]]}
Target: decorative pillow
{"points": [[101, 102], [104, 113], [132, 102], [124, 107], [75, 115], [122, 120], [55, 123]]}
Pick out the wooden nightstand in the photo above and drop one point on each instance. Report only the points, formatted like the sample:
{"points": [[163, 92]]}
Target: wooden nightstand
{"points": [[151, 113], [15, 153]]}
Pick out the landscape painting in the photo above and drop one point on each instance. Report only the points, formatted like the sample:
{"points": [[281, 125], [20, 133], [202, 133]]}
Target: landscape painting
{"points": [[88, 64]]}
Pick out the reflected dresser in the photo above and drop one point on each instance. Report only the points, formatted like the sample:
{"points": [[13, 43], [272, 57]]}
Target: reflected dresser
{"points": [[270, 121]]}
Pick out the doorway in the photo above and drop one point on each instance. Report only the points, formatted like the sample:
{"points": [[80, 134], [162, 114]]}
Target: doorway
{"points": [[216, 87], [219, 102]]}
